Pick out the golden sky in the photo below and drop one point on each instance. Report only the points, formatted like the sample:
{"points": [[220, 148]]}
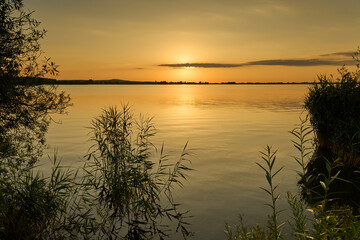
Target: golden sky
{"points": [[198, 40]]}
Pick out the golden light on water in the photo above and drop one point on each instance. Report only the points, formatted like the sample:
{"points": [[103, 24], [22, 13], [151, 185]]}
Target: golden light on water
{"points": [[186, 95], [185, 101], [214, 119]]}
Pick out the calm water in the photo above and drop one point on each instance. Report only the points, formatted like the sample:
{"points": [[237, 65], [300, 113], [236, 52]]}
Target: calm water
{"points": [[226, 127]]}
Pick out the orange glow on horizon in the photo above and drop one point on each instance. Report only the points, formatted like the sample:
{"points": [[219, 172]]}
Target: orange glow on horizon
{"points": [[129, 39], [184, 74]]}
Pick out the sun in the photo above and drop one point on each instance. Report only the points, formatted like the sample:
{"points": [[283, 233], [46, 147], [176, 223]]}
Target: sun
{"points": [[185, 74]]}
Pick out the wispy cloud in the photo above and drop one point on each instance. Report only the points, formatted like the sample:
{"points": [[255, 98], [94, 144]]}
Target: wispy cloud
{"points": [[330, 59], [298, 62], [337, 54], [200, 65]]}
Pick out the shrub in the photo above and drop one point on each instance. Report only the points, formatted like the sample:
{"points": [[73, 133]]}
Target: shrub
{"points": [[333, 106]]}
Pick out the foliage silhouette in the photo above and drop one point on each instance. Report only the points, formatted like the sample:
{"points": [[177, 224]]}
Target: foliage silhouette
{"points": [[120, 193], [24, 107], [36, 207], [333, 105], [31, 205], [134, 193], [326, 222]]}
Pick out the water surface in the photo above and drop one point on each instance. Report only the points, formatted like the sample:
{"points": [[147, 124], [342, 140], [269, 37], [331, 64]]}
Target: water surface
{"points": [[225, 126]]}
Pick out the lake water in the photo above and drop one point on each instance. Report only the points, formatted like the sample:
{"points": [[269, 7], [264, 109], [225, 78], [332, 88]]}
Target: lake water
{"points": [[225, 126]]}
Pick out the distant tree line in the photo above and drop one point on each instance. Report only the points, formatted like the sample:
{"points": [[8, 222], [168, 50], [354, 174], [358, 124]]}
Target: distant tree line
{"points": [[46, 81]]}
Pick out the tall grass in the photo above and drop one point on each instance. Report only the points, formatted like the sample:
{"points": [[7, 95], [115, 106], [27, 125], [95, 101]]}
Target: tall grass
{"points": [[273, 229], [303, 143], [33, 206], [269, 157], [328, 221], [133, 191], [121, 192]]}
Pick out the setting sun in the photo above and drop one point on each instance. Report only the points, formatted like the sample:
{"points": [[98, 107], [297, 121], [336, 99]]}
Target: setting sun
{"points": [[185, 74], [119, 39]]}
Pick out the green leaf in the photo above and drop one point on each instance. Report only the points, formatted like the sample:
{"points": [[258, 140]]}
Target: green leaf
{"points": [[323, 185]]}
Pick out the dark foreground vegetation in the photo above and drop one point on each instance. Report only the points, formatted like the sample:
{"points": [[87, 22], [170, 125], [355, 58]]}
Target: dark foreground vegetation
{"points": [[327, 141], [121, 192]]}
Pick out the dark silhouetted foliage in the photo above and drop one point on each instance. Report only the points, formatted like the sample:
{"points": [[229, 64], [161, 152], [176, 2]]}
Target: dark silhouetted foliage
{"points": [[133, 189], [24, 107], [333, 105]]}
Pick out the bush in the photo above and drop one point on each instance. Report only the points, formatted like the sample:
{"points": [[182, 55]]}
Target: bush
{"points": [[333, 106]]}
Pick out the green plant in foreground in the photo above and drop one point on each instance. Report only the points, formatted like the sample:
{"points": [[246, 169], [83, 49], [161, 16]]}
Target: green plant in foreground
{"points": [[273, 229], [300, 221], [36, 207], [303, 143], [333, 106], [269, 158], [328, 220], [120, 193], [243, 232], [134, 193]]}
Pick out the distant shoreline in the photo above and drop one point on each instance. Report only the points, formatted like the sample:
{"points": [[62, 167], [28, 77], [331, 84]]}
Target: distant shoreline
{"points": [[48, 81]]}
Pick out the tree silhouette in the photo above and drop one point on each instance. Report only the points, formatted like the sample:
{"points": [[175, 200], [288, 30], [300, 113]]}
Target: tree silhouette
{"points": [[24, 106]]}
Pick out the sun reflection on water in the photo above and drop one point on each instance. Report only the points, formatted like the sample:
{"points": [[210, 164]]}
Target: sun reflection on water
{"points": [[185, 100]]}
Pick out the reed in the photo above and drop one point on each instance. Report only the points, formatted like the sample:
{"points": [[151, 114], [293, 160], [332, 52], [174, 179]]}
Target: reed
{"points": [[303, 143], [33, 206], [134, 193], [273, 229], [269, 157], [328, 221], [121, 192]]}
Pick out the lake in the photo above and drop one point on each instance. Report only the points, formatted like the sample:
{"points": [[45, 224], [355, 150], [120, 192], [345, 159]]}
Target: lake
{"points": [[225, 126]]}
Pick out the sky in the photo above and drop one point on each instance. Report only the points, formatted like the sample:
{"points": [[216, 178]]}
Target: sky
{"points": [[198, 40]]}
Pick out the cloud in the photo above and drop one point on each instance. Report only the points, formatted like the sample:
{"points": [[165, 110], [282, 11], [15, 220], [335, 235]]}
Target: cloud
{"points": [[322, 60], [272, 62], [200, 65], [336, 54], [297, 62]]}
